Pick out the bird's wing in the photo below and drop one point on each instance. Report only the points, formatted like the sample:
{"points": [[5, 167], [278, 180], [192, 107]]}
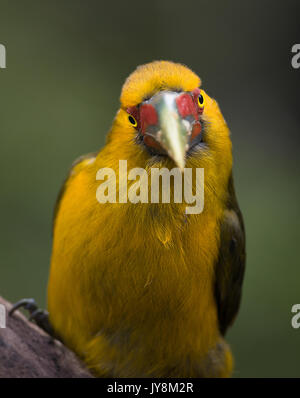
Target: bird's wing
{"points": [[231, 262], [82, 159]]}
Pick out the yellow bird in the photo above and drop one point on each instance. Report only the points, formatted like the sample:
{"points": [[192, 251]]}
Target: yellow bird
{"points": [[145, 289]]}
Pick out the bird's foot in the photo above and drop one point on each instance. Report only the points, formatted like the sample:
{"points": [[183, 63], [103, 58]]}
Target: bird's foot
{"points": [[39, 316]]}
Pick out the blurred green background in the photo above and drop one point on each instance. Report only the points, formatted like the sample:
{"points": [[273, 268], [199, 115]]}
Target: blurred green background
{"points": [[66, 63]]}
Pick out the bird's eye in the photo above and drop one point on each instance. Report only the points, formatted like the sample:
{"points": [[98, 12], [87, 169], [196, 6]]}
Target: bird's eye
{"points": [[201, 101], [132, 120]]}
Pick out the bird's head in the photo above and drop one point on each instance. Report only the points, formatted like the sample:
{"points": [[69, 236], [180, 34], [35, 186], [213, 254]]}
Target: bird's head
{"points": [[165, 112]]}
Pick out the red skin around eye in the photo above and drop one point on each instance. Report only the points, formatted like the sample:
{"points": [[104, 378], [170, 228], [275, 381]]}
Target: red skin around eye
{"points": [[196, 94], [186, 106], [133, 110], [148, 117], [145, 116]]}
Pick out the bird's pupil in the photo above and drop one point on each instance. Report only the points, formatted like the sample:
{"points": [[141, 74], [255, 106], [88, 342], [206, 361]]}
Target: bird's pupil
{"points": [[200, 99], [131, 119]]}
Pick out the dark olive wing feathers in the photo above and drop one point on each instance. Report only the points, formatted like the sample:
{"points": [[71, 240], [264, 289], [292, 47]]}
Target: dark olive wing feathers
{"points": [[231, 262]]}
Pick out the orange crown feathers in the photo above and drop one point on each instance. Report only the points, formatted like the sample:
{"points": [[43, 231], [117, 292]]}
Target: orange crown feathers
{"points": [[150, 78]]}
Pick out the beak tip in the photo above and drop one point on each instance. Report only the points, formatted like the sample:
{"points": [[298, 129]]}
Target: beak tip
{"points": [[180, 164]]}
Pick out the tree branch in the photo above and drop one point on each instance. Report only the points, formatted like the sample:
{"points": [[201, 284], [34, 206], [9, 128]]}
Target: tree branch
{"points": [[27, 351]]}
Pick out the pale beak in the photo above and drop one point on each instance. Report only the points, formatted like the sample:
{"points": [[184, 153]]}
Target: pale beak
{"points": [[173, 133]]}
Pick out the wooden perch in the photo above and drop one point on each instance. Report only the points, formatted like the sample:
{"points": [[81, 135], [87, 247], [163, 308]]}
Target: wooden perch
{"points": [[27, 351]]}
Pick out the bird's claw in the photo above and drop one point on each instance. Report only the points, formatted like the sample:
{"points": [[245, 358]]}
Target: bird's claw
{"points": [[39, 316], [28, 304]]}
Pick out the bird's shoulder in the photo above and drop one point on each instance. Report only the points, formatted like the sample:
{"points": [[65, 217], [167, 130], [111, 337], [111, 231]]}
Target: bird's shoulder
{"points": [[78, 165]]}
